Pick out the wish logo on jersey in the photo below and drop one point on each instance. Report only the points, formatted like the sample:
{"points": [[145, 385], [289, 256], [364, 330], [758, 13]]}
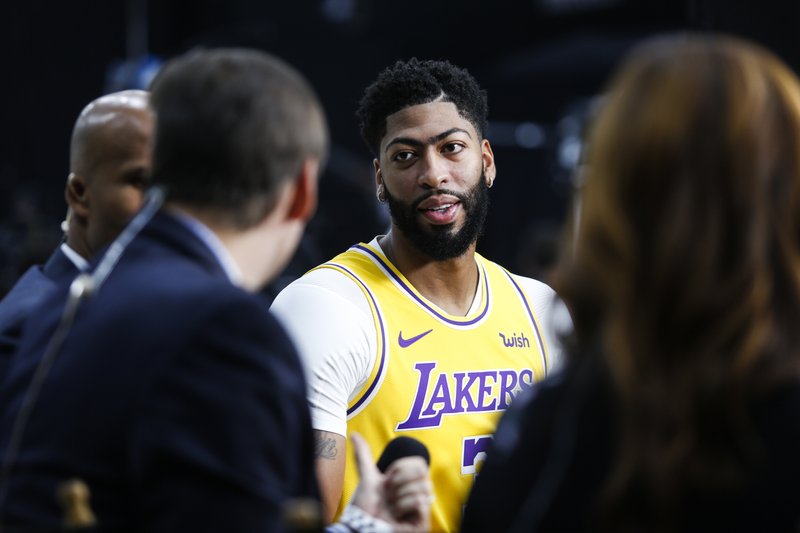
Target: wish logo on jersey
{"points": [[515, 341], [455, 393]]}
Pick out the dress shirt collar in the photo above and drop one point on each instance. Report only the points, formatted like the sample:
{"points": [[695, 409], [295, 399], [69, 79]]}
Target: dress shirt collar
{"points": [[210, 239], [75, 258]]}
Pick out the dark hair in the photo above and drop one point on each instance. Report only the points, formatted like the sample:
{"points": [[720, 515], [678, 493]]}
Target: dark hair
{"points": [[416, 82], [232, 125], [684, 267]]}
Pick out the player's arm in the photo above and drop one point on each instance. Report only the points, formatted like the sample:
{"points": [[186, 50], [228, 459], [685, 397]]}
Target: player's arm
{"points": [[330, 451], [335, 335]]}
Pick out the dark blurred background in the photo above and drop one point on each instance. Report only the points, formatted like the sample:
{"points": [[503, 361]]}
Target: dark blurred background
{"points": [[541, 61]]}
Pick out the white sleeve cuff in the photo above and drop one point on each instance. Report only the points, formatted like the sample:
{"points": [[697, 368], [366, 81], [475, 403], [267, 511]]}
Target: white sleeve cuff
{"points": [[355, 519]]}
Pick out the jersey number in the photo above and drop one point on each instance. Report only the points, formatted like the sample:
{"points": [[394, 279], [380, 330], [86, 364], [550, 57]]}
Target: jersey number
{"points": [[473, 452]]}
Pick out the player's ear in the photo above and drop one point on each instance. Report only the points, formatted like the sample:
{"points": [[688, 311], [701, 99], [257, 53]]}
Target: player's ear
{"points": [[304, 197], [379, 187], [77, 195], [489, 170], [378, 176]]}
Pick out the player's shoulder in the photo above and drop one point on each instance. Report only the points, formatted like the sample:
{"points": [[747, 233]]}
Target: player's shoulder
{"points": [[532, 287], [547, 304], [328, 283], [320, 284], [322, 292]]}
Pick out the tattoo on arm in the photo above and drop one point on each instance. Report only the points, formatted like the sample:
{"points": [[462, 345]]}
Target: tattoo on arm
{"points": [[324, 446]]}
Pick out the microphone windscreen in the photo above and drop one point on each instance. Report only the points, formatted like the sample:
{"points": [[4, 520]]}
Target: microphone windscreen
{"points": [[400, 447]]}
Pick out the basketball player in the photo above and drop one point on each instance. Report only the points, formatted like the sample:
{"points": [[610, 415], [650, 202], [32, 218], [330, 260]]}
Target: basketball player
{"points": [[414, 333]]}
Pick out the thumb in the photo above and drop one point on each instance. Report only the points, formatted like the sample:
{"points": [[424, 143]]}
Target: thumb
{"points": [[364, 461]]}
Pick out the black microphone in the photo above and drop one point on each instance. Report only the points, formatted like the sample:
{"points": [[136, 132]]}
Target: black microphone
{"points": [[400, 447]]}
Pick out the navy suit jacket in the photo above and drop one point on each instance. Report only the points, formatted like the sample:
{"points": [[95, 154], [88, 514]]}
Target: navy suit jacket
{"points": [[26, 294], [176, 397]]}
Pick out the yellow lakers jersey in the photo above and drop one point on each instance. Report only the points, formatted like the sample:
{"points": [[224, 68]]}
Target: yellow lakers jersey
{"points": [[440, 378]]}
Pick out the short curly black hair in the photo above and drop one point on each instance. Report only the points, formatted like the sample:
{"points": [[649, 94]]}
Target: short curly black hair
{"points": [[413, 82]]}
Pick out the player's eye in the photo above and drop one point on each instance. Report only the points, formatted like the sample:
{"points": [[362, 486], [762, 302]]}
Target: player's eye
{"points": [[403, 156], [452, 148]]}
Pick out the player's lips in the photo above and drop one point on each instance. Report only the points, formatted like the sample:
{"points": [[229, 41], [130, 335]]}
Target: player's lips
{"points": [[440, 209]]}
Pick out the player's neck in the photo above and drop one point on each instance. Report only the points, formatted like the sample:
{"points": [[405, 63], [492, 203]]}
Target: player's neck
{"points": [[450, 284]]}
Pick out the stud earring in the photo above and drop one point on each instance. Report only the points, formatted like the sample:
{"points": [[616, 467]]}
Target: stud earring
{"points": [[65, 222]]}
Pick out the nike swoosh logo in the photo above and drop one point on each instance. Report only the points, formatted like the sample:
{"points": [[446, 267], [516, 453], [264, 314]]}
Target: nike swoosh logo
{"points": [[405, 343]]}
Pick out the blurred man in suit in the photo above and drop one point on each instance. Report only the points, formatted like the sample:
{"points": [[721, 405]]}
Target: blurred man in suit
{"points": [[175, 397], [110, 158]]}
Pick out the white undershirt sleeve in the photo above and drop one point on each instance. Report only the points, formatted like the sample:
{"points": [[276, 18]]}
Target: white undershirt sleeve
{"points": [[553, 316], [328, 318]]}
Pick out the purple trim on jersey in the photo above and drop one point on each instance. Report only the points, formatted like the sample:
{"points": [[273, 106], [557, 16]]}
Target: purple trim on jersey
{"points": [[533, 320], [422, 302], [377, 380]]}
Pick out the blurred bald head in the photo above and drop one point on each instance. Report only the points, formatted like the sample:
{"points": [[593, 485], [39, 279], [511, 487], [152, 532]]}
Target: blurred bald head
{"points": [[110, 160]]}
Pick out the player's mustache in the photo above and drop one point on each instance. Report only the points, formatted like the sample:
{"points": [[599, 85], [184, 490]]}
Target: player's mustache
{"points": [[463, 198]]}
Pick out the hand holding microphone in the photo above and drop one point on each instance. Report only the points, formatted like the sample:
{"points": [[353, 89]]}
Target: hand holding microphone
{"points": [[398, 490]]}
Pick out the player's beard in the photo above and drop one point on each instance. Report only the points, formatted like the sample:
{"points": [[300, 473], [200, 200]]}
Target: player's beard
{"points": [[442, 242]]}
